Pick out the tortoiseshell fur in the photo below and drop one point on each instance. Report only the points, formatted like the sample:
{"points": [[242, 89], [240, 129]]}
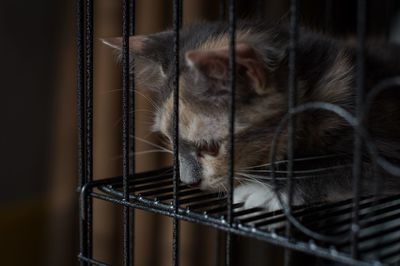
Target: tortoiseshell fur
{"points": [[325, 73]]}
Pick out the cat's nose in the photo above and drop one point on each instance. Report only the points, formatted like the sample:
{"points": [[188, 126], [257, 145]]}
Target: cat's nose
{"points": [[189, 170]]}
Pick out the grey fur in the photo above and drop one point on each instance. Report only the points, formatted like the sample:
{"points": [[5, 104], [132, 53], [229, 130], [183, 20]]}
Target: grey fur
{"points": [[326, 71]]}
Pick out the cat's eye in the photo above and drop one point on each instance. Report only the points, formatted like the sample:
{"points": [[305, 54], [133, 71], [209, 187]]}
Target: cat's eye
{"points": [[211, 149]]}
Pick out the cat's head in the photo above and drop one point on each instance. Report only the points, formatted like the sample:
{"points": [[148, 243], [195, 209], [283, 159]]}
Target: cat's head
{"points": [[204, 99]]}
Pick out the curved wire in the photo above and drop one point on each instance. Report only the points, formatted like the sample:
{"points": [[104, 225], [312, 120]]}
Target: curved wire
{"points": [[352, 121]]}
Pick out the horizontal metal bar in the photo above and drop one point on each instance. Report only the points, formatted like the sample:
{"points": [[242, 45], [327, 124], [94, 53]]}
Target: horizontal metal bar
{"points": [[242, 230], [247, 211], [161, 191], [180, 194], [207, 208], [205, 203], [391, 254], [152, 185], [197, 198], [139, 177], [366, 219], [375, 246], [221, 210]]}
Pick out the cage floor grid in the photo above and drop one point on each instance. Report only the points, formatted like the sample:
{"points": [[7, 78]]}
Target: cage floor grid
{"points": [[379, 238]]}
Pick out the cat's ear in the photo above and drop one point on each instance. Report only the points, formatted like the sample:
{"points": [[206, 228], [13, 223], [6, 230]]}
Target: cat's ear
{"points": [[214, 63], [148, 56]]}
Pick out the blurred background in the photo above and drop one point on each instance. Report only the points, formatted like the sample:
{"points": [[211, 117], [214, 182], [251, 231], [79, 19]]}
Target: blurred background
{"points": [[38, 198]]}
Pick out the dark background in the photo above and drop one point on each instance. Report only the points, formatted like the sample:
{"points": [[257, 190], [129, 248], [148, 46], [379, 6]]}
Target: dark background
{"points": [[38, 201]]}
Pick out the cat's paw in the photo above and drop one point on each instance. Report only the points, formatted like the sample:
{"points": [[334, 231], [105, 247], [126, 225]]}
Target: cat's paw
{"points": [[257, 195], [262, 196]]}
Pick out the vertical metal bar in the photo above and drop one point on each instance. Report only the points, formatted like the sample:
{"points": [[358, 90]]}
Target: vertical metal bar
{"points": [[177, 20], [125, 128], [89, 126], [221, 10], [357, 160], [231, 167], [80, 91], [89, 90], [132, 131], [80, 6], [292, 92]]}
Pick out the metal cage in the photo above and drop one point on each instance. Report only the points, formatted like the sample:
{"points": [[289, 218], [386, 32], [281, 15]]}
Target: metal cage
{"points": [[374, 224]]}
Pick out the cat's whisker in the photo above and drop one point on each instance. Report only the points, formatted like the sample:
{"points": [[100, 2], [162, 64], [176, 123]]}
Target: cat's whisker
{"points": [[254, 180], [295, 160], [149, 151], [308, 171], [149, 100], [237, 178], [143, 123], [147, 123], [264, 165], [141, 153], [256, 176], [110, 91], [142, 110], [152, 144], [262, 177], [224, 187], [220, 194]]}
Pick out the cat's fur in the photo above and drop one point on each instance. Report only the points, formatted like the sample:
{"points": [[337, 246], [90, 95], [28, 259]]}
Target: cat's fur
{"points": [[325, 73]]}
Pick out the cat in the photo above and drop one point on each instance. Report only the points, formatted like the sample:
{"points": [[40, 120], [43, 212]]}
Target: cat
{"points": [[326, 72]]}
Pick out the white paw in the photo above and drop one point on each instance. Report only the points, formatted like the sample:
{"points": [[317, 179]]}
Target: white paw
{"points": [[257, 195]]}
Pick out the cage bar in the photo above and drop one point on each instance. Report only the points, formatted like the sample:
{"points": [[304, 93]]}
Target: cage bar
{"points": [[80, 31], [292, 95], [177, 21], [132, 128], [87, 220], [126, 80], [358, 143], [80, 16], [89, 91], [231, 166], [327, 218]]}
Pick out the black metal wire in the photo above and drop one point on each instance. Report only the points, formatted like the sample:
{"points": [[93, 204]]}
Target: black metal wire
{"points": [[89, 90], [391, 83], [249, 229], [132, 131], [88, 222], [80, 31], [80, 90], [126, 12], [231, 166], [177, 20], [346, 116], [357, 161], [292, 95]]}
